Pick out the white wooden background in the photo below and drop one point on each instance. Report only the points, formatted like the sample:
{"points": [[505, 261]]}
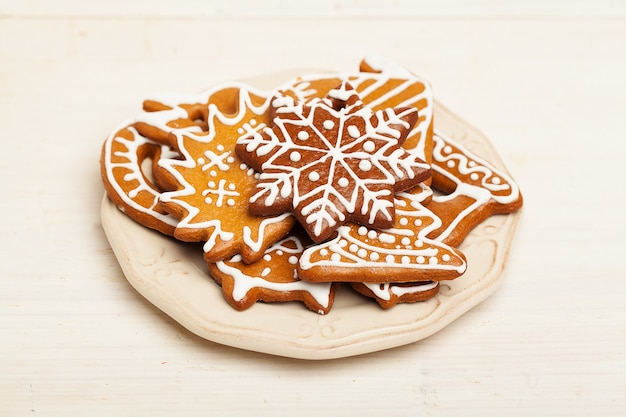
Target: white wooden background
{"points": [[544, 80]]}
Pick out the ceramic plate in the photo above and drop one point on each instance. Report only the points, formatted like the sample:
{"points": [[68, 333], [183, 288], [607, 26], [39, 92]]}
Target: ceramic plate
{"points": [[174, 277]]}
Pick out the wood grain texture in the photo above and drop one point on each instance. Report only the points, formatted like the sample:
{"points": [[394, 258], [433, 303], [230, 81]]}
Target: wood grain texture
{"points": [[546, 87]]}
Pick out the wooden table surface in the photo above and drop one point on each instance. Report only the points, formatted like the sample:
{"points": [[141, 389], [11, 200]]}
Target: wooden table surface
{"points": [[545, 81]]}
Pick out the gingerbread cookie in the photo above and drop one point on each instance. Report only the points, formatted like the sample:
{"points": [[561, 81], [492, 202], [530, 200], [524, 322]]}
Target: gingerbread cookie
{"points": [[381, 84], [126, 163], [272, 279], [164, 113], [129, 155], [212, 186], [389, 294], [402, 253], [473, 190], [332, 161]]}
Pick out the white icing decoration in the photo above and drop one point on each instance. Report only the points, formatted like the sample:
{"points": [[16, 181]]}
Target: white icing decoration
{"points": [[387, 66], [214, 160], [365, 165], [295, 156], [128, 160], [388, 70], [386, 238], [220, 192], [369, 146], [243, 283], [473, 167], [278, 179], [386, 290], [384, 247], [354, 131]]}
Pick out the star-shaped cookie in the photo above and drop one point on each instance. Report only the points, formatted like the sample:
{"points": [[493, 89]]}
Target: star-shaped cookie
{"points": [[273, 278]]}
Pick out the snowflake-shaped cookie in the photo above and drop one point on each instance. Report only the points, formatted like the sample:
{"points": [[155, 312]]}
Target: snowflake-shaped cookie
{"points": [[332, 160], [381, 83]]}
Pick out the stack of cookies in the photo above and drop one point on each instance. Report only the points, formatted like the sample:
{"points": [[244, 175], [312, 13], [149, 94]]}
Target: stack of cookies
{"points": [[328, 179]]}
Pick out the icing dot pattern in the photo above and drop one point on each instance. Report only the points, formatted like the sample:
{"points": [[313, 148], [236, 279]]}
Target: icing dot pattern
{"points": [[456, 162], [211, 185], [271, 278], [357, 248], [351, 141]]}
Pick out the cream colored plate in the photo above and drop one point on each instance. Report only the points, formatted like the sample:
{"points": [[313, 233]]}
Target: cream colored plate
{"points": [[174, 277]]}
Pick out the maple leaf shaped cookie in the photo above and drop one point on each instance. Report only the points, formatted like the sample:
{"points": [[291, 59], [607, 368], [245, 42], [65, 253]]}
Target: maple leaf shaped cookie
{"points": [[332, 160], [212, 186], [402, 253]]}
